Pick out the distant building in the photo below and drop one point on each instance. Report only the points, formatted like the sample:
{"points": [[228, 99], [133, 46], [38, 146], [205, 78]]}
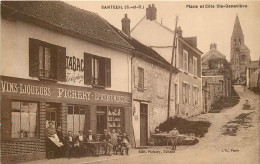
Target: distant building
{"points": [[252, 75], [251, 67], [216, 76], [239, 54], [188, 60]]}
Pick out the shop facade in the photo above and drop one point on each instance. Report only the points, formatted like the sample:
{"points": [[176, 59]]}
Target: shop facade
{"points": [[27, 106]]}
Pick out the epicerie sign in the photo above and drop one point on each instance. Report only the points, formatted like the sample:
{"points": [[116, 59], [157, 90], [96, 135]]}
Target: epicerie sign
{"points": [[60, 92]]}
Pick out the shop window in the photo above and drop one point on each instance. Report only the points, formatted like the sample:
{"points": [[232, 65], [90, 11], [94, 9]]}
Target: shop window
{"points": [[101, 119], [24, 119], [140, 79], [115, 119], [97, 70], [77, 118], [47, 61]]}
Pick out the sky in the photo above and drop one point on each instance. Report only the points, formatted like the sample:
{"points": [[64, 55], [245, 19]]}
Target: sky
{"points": [[210, 25]]}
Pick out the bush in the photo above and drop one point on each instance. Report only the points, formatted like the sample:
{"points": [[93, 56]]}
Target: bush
{"points": [[198, 128]]}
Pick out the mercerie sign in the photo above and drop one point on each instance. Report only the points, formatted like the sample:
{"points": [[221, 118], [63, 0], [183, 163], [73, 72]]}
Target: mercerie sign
{"points": [[59, 91]]}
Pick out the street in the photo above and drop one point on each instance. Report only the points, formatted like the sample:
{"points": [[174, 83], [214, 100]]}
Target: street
{"points": [[214, 147]]}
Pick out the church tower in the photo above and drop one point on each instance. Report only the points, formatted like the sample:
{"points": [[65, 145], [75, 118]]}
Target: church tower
{"points": [[239, 54]]}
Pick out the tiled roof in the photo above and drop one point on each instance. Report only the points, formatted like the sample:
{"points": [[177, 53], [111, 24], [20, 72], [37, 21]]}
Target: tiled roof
{"points": [[63, 16], [145, 50]]}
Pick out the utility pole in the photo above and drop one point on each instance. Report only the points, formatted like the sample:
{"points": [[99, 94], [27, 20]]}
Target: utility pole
{"points": [[170, 80]]}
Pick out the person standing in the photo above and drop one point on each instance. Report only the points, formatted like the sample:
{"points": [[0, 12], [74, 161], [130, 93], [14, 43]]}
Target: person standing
{"points": [[114, 140], [51, 148], [174, 138]]}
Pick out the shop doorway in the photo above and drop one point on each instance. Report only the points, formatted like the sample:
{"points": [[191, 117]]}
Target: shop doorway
{"points": [[51, 113], [143, 124], [101, 119]]}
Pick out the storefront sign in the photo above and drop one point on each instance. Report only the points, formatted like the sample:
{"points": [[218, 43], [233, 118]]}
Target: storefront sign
{"points": [[61, 92], [75, 70]]}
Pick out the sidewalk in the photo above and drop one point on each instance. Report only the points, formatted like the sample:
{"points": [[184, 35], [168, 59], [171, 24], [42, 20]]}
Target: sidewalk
{"points": [[85, 160]]}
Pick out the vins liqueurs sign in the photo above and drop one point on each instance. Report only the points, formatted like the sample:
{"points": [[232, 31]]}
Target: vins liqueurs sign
{"points": [[30, 88]]}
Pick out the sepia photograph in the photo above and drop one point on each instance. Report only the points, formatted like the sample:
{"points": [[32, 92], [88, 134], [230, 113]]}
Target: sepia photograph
{"points": [[122, 82]]}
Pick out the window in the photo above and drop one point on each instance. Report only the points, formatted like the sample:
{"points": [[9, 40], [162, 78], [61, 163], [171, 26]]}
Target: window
{"points": [[77, 118], [195, 95], [185, 61], [140, 79], [186, 93], [97, 70], [47, 61], [195, 69], [24, 119]]}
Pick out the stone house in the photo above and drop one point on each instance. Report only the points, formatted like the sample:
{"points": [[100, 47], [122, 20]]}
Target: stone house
{"points": [[216, 76], [188, 60], [150, 83]]}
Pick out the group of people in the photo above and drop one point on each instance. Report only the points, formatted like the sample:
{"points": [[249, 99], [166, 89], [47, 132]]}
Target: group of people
{"points": [[80, 145]]}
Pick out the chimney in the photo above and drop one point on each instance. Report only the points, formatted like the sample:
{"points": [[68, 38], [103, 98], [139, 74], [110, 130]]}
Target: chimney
{"points": [[179, 32], [126, 25], [151, 12], [213, 46]]}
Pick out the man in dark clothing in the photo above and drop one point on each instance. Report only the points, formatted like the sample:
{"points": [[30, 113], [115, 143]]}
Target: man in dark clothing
{"points": [[91, 138], [124, 142], [105, 137], [69, 142], [81, 144]]}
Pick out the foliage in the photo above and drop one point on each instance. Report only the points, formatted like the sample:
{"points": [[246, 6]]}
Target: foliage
{"points": [[198, 128]]}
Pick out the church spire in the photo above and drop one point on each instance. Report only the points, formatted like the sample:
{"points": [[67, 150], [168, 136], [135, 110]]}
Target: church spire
{"points": [[237, 30]]}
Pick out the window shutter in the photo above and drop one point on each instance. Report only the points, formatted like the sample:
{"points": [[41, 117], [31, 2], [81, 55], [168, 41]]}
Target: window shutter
{"points": [[108, 72], [87, 68], [33, 57], [61, 63], [6, 127], [183, 93], [136, 78], [145, 79]]}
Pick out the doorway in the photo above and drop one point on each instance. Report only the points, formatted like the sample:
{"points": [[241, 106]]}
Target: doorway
{"points": [[51, 113], [143, 124]]}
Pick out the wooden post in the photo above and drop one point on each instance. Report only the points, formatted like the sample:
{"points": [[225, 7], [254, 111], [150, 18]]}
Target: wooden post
{"points": [[170, 80]]}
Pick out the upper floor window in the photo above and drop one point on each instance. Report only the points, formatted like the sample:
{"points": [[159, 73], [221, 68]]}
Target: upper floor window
{"points": [[97, 70], [195, 66], [140, 79], [185, 61], [47, 61]]}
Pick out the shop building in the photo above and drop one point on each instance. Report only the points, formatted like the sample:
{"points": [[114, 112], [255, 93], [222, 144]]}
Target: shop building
{"points": [[187, 59], [59, 65]]}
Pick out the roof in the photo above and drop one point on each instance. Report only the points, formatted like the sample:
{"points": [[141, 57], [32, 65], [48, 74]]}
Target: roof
{"points": [[58, 15], [146, 51], [237, 30], [212, 54], [189, 41], [253, 64]]}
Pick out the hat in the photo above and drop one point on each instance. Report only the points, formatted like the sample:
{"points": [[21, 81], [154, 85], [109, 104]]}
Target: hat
{"points": [[105, 130]]}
